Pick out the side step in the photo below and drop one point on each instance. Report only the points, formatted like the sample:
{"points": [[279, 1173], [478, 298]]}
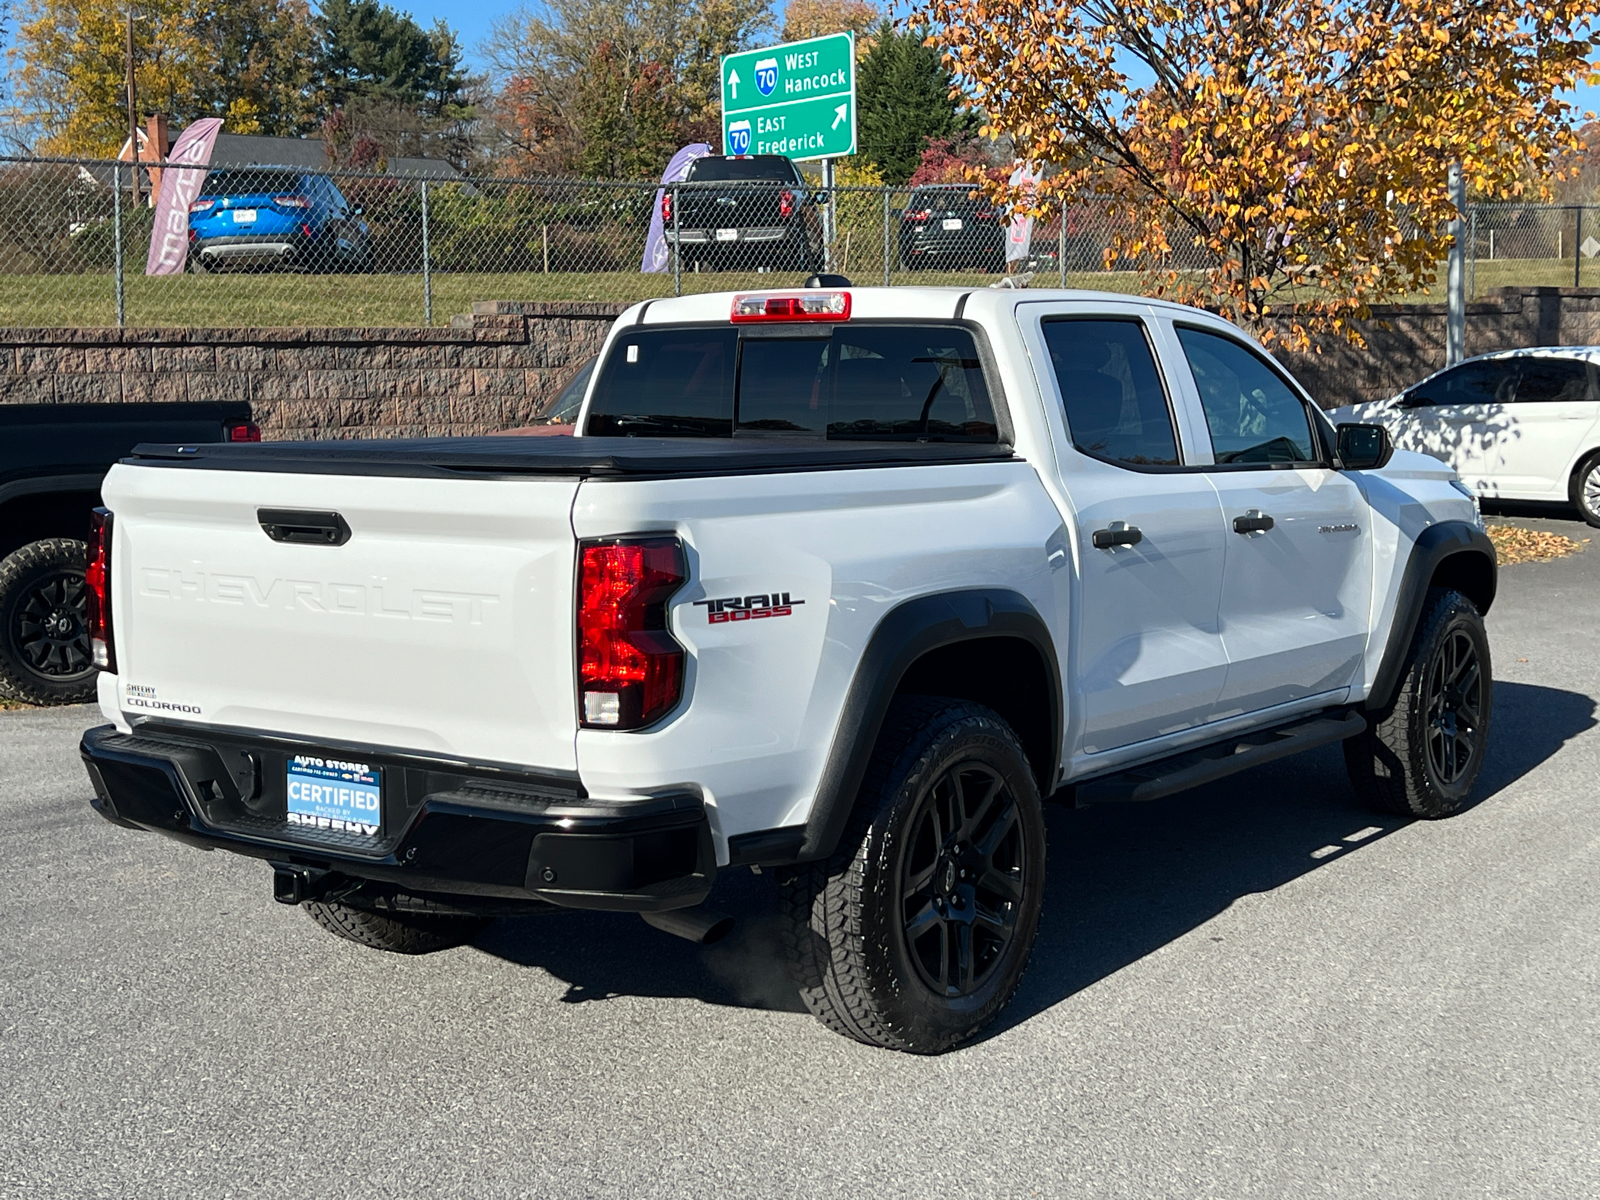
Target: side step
{"points": [[1217, 760]]}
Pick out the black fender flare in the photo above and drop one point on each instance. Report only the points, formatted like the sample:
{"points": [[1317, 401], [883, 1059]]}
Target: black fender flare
{"points": [[1433, 546], [905, 634]]}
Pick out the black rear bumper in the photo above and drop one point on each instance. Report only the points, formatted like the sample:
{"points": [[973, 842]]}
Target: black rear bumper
{"points": [[449, 829]]}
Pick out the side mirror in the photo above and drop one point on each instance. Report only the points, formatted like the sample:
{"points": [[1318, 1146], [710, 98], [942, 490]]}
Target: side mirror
{"points": [[821, 198], [358, 210], [1364, 447]]}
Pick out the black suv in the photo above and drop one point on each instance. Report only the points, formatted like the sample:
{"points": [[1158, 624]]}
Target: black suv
{"points": [[950, 227], [743, 213]]}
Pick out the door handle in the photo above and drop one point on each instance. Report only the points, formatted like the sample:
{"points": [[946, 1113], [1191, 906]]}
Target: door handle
{"points": [[1254, 521], [1120, 533]]}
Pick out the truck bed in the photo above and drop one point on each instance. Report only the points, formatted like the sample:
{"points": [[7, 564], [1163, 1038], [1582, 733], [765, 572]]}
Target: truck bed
{"points": [[568, 458]]}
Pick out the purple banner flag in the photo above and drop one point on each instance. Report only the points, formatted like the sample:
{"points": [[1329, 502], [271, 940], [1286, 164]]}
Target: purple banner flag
{"points": [[1019, 238], [657, 254], [169, 240]]}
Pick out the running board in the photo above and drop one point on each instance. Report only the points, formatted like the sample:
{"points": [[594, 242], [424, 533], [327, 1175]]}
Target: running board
{"points": [[1217, 760]]}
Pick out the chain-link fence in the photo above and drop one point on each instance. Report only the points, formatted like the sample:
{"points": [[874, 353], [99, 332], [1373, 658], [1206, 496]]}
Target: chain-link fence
{"points": [[285, 246]]}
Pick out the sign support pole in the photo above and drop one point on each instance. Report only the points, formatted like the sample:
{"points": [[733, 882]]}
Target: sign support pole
{"points": [[828, 214]]}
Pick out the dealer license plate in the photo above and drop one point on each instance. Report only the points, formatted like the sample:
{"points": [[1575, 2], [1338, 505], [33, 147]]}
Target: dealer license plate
{"points": [[727, 235], [334, 794], [244, 216], [952, 224]]}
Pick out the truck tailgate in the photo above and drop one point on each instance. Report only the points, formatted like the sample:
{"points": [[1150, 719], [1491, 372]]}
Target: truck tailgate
{"points": [[443, 625]]}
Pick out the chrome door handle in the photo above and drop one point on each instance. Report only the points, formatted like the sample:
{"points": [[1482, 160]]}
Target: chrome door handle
{"points": [[1254, 521], [1120, 533]]}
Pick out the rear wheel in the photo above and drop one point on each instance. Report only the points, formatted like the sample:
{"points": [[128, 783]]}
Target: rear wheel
{"points": [[915, 934], [1422, 755], [399, 931], [45, 656], [1585, 489]]}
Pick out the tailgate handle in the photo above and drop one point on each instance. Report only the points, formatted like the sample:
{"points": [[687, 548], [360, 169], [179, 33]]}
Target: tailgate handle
{"points": [[304, 526]]}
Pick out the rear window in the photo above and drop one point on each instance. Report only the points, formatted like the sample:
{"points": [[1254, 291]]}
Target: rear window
{"points": [[854, 382], [768, 167], [251, 182]]}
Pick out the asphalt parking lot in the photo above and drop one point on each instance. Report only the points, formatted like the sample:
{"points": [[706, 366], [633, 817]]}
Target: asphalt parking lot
{"points": [[1254, 990]]}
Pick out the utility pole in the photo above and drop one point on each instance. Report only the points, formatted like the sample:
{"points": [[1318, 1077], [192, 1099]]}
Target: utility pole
{"points": [[133, 118], [1455, 321]]}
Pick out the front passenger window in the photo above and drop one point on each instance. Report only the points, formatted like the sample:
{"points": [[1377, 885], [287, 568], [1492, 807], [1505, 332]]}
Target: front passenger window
{"points": [[1254, 416]]}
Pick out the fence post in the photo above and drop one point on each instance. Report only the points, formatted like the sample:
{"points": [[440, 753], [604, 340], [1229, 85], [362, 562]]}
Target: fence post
{"points": [[886, 222], [1577, 247], [116, 242], [427, 265], [1061, 247], [544, 239], [1472, 266], [1455, 325], [677, 247]]}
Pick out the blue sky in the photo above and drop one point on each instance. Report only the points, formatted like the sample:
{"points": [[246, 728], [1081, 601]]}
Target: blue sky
{"points": [[472, 21]]}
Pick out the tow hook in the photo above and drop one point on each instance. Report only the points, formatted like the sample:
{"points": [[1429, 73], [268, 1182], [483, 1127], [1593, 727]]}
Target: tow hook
{"points": [[296, 885], [700, 925]]}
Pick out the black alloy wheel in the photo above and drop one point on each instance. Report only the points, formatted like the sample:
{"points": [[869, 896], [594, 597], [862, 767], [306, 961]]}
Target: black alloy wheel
{"points": [[45, 655], [1454, 708], [962, 880]]}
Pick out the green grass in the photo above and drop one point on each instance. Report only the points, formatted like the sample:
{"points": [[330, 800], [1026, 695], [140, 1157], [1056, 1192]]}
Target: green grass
{"points": [[277, 298]]}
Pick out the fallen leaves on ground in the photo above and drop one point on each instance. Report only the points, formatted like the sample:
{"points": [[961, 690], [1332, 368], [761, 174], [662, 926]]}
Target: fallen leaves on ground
{"points": [[1517, 545]]}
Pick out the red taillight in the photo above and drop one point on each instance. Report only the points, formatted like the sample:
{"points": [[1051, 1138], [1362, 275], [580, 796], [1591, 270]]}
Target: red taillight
{"points": [[291, 202], [791, 306], [630, 671], [786, 204], [200, 206], [986, 214], [920, 214], [97, 590], [666, 208], [244, 431]]}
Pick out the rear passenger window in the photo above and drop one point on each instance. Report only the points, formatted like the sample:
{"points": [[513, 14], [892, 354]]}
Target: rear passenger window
{"points": [[910, 381], [1116, 407], [1254, 416], [1552, 380]]}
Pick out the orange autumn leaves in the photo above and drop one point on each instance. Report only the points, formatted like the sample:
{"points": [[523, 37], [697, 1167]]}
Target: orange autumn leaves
{"points": [[1280, 157]]}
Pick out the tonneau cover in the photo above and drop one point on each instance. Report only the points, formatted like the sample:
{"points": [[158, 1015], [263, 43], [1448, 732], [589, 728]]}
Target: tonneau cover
{"points": [[569, 457]]}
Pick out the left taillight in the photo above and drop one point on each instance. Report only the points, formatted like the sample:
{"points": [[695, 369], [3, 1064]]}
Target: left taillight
{"points": [[243, 431], [786, 204], [97, 590], [630, 670]]}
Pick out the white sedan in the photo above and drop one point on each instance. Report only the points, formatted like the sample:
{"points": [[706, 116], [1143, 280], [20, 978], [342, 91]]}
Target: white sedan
{"points": [[1517, 425]]}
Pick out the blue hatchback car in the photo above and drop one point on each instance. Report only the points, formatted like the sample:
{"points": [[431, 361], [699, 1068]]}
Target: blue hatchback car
{"points": [[276, 216]]}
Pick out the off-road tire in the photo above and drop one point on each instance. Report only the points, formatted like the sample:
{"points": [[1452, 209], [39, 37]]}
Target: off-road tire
{"points": [[1584, 491], [395, 930], [845, 918], [1402, 763], [39, 663]]}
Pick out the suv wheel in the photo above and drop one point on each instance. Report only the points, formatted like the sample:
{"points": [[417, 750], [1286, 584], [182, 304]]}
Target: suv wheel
{"points": [[45, 656], [915, 933], [1585, 489], [1421, 756]]}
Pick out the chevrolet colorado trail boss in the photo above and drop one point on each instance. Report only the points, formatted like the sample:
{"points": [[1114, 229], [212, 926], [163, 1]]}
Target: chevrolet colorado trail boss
{"points": [[839, 582]]}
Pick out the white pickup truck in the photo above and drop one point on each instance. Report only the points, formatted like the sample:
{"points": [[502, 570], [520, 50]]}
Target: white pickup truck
{"points": [[837, 582]]}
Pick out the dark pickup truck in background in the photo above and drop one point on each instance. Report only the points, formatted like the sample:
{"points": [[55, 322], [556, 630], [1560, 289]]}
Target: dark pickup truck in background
{"points": [[52, 459], [743, 214]]}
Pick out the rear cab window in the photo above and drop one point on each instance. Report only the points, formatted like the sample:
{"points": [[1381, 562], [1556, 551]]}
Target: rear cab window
{"points": [[759, 168], [911, 381]]}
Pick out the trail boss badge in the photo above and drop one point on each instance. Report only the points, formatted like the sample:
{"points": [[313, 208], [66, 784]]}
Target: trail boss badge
{"points": [[749, 608]]}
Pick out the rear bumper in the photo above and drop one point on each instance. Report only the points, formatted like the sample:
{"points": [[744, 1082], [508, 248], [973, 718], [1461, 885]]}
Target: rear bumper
{"points": [[254, 247], [449, 829]]}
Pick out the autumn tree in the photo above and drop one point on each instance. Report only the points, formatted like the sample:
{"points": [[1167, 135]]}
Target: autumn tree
{"points": [[1298, 148], [654, 62], [257, 58], [804, 19], [905, 100]]}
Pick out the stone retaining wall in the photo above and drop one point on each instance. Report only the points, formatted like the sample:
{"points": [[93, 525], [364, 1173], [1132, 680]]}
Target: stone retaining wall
{"points": [[504, 365]]}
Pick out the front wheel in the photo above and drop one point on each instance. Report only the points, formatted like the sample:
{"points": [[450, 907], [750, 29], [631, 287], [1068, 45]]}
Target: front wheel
{"points": [[916, 932], [1422, 755], [1585, 489]]}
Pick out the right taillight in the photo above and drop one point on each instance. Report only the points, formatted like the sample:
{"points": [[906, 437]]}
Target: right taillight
{"points": [[666, 208], [630, 670], [97, 590]]}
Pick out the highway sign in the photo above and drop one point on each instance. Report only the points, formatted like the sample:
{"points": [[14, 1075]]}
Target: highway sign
{"points": [[798, 99]]}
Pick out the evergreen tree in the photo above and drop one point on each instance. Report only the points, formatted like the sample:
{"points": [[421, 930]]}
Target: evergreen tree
{"points": [[373, 52], [903, 93]]}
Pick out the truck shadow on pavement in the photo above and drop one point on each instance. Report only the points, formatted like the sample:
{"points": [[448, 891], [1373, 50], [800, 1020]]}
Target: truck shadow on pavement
{"points": [[1125, 880]]}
